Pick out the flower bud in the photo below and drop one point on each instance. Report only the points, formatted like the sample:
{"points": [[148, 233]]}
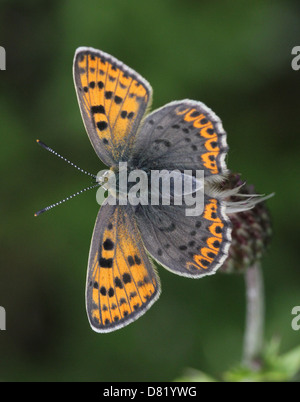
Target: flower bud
{"points": [[251, 229]]}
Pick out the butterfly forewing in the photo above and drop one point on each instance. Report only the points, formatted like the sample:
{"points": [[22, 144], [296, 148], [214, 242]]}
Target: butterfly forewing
{"points": [[121, 282], [113, 99]]}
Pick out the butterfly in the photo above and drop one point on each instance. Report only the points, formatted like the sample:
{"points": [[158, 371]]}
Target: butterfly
{"points": [[122, 282]]}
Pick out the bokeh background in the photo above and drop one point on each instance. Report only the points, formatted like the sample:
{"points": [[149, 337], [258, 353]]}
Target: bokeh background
{"points": [[233, 56]]}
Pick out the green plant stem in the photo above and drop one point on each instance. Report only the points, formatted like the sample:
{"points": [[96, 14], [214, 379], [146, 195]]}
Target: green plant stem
{"points": [[254, 331]]}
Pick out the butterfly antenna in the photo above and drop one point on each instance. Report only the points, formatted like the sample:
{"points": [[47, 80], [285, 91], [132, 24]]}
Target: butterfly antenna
{"points": [[65, 199], [43, 145]]}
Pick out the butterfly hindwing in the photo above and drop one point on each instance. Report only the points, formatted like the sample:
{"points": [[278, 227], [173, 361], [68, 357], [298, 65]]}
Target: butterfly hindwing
{"points": [[182, 135], [121, 282], [186, 245], [113, 99]]}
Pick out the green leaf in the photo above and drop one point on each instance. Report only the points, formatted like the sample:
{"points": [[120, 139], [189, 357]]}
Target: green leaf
{"points": [[192, 375]]}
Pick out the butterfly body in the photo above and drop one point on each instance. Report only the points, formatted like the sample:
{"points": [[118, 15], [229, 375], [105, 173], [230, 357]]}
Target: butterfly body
{"points": [[183, 136]]}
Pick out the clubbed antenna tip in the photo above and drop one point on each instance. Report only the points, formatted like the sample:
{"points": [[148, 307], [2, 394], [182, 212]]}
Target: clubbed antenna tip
{"points": [[40, 212], [42, 144]]}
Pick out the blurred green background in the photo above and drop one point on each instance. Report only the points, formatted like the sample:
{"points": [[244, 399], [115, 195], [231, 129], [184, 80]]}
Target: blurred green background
{"points": [[233, 56]]}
